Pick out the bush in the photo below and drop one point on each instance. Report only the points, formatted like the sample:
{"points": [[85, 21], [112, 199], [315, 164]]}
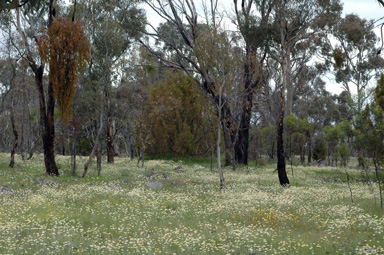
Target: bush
{"points": [[320, 150], [344, 153], [260, 162]]}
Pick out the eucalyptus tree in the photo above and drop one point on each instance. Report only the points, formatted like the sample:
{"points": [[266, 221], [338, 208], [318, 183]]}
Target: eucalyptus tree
{"points": [[254, 21], [354, 57], [201, 49], [300, 27], [112, 26], [60, 44]]}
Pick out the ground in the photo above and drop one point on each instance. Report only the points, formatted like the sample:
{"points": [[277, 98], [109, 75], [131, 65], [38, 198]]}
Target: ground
{"points": [[174, 207]]}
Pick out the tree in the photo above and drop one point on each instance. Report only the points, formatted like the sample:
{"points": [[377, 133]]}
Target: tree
{"points": [[14, 4], [113, 26], [59, 41], [256, 33], [204, 51], [179, 127], [299, 29], [354, 57], [370, 135]]}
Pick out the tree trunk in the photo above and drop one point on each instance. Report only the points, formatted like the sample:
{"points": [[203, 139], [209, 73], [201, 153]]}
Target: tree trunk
{"points": [[309, 145], [283, 178], [110, 140], [47, 122], [46, 111], [16, 136], [98, 158], [74, 150], [242, 144], [97, 136], [221, 174]]}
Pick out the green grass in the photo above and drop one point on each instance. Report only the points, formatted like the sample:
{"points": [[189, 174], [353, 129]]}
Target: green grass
{"points": [[116, 213]]}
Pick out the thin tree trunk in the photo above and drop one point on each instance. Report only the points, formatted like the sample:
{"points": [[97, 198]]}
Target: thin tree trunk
{"points": [[349, 186], [142, 153], [15, 134], [110, 141], [97, 136], [98, 159], [379, 181], [16, 137], [309, 150], [211, 167], [221, 175], [74, 150]]}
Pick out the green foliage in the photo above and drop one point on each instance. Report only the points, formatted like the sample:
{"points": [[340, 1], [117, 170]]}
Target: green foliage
{"points": [[268, 139], [344, 152], [177, 118], [379, 92], [320, 149], [296, 133]]}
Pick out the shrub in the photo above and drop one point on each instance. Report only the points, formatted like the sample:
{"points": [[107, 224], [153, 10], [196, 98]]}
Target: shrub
{"points": [[320, 150]]}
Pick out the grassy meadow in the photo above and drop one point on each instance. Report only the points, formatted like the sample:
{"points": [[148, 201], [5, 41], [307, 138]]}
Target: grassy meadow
{"points": [[118, 213]]}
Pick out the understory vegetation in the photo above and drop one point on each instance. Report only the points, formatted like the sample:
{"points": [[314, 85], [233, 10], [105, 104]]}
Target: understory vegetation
{"points": [[172, 207]]}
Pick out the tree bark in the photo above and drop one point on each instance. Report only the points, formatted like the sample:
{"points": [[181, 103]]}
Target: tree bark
{"points": [[47, 122], [309, 144], [98, 159], [74, 150], [225, 118], [16, 137], [46, 107], [97, 136], [110, 140], [283, 178], [242, 144]]}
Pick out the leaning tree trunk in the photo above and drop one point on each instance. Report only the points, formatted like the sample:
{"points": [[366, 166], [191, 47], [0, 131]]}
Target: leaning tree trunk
{"points": [[97, 136]]}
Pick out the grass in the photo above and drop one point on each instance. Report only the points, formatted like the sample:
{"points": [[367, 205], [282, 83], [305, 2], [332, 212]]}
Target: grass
{"points": [[117, 213]]}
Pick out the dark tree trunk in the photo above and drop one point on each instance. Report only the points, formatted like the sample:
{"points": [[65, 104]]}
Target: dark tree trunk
{"points": [[283, 178], [74, 150], [98, 159], [110, 140], [242, 144], [309, 144], [47, 122], [227, 147], [16, 136]]}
